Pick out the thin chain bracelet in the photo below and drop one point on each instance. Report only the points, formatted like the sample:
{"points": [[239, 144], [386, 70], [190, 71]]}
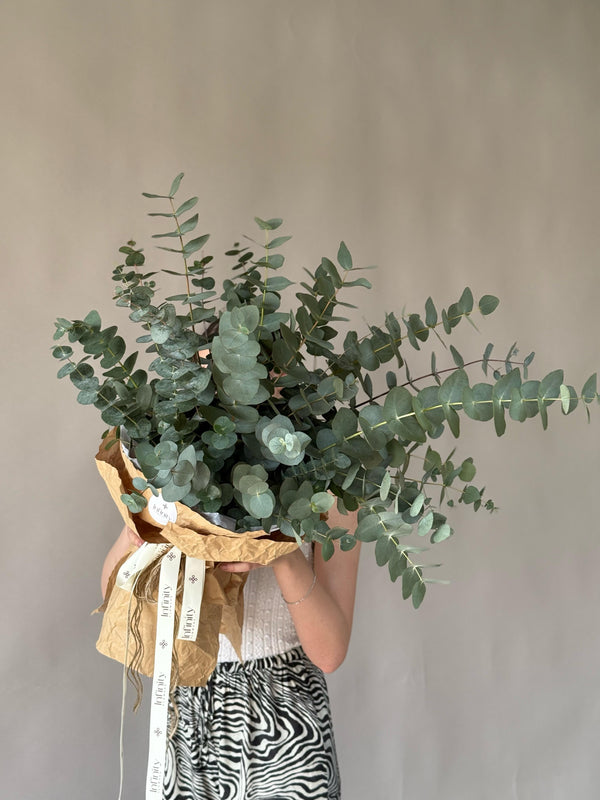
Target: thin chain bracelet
{"points": [[302, 599]]}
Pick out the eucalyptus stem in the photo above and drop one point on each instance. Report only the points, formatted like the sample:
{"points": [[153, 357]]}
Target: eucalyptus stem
{"points": [[433, 375], [264, 294], [187, 274]]}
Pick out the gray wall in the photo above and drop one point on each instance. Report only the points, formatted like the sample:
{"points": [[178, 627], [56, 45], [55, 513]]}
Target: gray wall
{"points": [[451, 143]]}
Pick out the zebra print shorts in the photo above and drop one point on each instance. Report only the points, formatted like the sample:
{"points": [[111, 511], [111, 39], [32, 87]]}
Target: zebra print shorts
{"points": [[261, 730]]}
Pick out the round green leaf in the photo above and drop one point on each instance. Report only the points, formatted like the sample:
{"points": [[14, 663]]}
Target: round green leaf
{"points": [[300, 508], [87, 397], [113, 352], [260, 506], [418, 593], [134, 502], [443, 532], [488, 304], [327, 549], [417, 505], [344, 257], [321, 502], [467, 470], [65, 370], [347, 543], [93, 320], [425, 524], [62, 351], [386, 483], [173, 492], [183, 473]]}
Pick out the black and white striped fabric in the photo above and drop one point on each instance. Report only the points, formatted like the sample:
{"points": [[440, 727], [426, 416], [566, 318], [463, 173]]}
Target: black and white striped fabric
{"points": [[260, 730]]}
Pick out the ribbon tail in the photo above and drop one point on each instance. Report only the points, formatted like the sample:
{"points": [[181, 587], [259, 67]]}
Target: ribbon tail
{"points": [[161, 681]]}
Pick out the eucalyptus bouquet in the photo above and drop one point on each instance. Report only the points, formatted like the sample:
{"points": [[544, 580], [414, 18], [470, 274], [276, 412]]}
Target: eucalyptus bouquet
{"points": [[262, 415]]}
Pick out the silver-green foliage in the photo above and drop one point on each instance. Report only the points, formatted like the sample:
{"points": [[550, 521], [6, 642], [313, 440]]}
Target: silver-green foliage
{"points": [[254, 431]]}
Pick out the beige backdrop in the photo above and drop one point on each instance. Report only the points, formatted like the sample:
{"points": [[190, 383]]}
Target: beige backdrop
{"points": [[451, 143]]}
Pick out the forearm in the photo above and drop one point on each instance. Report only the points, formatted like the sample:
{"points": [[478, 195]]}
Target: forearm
{"points": [[322, 627]]}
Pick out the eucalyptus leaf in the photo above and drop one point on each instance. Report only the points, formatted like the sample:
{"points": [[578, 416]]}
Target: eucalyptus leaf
{"points": [[466, 301], [300, 509], [417, 505], [188, 225], [383, 550], [443, 532], [186, 206], [269, 224], [134, 502], [277, 242], [321, 502], [384, 489], [467, 470], [175, 185], [488, 304], [418, 593], [195, 244], [327, 549], [431, 316], [590, 390], [93, 320], [62, 352], [344, 258], [458, 359], [65, 370], [425, 524], [410, 577]]}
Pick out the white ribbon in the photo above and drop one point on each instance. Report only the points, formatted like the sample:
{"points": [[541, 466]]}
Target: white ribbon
{"points": [[137, 561], [163, 650], [195, 570], [191, 602]]}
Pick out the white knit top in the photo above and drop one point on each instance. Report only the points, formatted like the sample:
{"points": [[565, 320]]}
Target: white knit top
{"points": [[268, 628]]}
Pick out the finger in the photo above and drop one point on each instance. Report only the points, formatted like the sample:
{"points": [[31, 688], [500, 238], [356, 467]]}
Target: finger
{"points": [[134, 538], [237, 566]]}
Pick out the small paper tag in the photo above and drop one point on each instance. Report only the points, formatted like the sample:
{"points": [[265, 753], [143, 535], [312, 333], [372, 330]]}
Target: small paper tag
{"points": [[162, 511]]}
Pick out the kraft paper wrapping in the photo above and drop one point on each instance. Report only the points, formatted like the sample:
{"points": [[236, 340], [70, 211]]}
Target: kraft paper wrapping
{"points": [[222, 601]]}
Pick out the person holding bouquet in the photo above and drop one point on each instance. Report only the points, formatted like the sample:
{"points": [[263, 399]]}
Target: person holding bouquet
{"points": [[262, 728]]}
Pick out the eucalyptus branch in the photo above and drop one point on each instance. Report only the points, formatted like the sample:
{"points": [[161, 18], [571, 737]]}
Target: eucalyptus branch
{"points": [[394, 341], [332, 299]]}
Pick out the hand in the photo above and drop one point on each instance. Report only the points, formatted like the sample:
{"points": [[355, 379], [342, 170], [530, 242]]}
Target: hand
{"points": [[238, 566], [133, 539], [127, 539]]}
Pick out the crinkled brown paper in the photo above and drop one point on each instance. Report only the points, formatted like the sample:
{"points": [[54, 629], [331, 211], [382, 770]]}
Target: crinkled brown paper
{"points": [[222, 603]]}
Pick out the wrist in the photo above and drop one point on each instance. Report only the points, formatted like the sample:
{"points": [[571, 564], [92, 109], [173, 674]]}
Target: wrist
{"points": [[305, 595], [295, 576]]}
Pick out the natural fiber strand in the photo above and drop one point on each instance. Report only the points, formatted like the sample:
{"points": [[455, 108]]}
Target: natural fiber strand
{"points": [[145, 590]]}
